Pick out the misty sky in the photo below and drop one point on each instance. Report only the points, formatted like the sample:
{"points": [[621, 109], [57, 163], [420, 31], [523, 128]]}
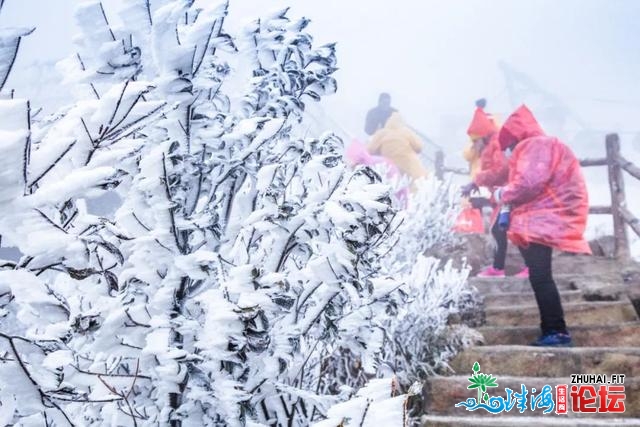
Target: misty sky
{"points": [[435, 58]]}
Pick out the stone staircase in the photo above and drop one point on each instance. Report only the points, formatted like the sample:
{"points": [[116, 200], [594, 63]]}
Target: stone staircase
{"points": [[598, 297]]}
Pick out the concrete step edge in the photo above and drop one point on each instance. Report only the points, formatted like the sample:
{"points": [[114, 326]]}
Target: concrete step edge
{"points": [[530, 292], [566, 306], [597, 335], [524, 380], [500, 420], [577, 327], [501, 348]]}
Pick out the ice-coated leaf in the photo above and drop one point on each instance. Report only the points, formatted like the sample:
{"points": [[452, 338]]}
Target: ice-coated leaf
{"points": [[244, 275]]}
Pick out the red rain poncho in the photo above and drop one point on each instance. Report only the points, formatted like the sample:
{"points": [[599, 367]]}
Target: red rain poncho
{"points": [[494, 166], [493, 170], [546, 189]]}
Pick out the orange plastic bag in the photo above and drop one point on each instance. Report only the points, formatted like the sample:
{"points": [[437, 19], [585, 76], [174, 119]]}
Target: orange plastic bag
{"points": [[469, 221]]}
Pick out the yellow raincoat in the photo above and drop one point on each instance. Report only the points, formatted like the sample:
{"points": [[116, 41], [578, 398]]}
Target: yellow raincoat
{"points": [[471, 155], [398, 143]]}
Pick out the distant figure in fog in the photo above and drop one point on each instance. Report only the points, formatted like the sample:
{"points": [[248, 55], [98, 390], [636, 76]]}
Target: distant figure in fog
{"points": [[377, 117], [398, 143]]}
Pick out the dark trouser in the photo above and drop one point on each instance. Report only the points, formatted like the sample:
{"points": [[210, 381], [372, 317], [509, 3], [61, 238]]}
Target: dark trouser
{"points": [[538, 259], [501, 245], [479, 202]]}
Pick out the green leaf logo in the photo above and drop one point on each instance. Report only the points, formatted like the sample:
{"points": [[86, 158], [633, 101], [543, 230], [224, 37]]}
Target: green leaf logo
{"points": [[481, 382]]}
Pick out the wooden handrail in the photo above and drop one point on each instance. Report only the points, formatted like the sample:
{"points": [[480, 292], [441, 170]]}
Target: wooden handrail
{"points": [[616, 186], [600, 210], [632, 169], [593, 162], [631, 220], [618, 210], [441, 168], [615, 164], [458, 171], [439, 164]]}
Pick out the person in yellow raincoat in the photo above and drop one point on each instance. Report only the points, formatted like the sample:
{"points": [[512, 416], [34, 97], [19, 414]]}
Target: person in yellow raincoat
{"points": [[398, 143]]}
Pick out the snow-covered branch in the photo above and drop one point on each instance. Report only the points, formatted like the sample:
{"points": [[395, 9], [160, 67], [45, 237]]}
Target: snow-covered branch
{"points": [[247, 277]]}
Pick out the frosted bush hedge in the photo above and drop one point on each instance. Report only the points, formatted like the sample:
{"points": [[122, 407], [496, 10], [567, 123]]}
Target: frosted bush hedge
{"points": [[245, 262]]}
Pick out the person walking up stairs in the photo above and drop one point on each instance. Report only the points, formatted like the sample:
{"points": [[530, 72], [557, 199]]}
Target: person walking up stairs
{"points": [[606, 339]]}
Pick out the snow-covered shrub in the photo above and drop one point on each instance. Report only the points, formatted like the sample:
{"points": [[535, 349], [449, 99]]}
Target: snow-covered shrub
{"points": [[243, 261], [378, 403], [425, 222], [414, 336], [236, 247], [416, 303], [423, 341], [423, 338]]}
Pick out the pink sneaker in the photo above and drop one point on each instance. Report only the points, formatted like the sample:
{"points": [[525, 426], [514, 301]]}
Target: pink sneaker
{"points": [[491, 272], [524, 273]]}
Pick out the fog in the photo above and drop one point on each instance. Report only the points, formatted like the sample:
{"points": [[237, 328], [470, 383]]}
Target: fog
{"points": [[576, 63]]}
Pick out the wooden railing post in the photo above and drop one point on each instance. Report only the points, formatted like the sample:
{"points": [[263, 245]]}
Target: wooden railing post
{"points": [[439, 164], [616, 185]]}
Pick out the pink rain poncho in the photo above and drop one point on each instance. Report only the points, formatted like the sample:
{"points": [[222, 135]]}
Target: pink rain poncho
{"points": [[357, 154], [546, 189]]}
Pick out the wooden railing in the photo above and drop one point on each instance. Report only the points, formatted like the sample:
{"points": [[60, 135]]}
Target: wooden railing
{"points": [[615, 164], [440, 168], [622, 217]]}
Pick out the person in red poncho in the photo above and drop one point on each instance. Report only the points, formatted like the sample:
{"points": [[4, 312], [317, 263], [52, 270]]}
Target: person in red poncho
{"points": [[492, 171], [548, 201]]}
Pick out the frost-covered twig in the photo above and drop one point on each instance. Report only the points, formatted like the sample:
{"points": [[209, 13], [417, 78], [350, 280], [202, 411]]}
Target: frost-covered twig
{"points": [[44, 397], [52, 165]]}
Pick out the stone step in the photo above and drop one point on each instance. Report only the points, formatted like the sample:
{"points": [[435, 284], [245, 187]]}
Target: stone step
{"points": [[441, 394], [567, 263], [570, 281], [590, 265], [506, 299], [583, 313], [617, 335], [507, 421], [525, 361], [487, 285]]}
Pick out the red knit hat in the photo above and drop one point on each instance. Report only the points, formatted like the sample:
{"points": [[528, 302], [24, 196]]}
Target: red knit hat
{"points": [[481, 125]]}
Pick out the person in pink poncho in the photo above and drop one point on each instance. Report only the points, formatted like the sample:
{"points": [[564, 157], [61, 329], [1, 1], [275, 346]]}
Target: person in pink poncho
{"points": [[549, 205]]}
